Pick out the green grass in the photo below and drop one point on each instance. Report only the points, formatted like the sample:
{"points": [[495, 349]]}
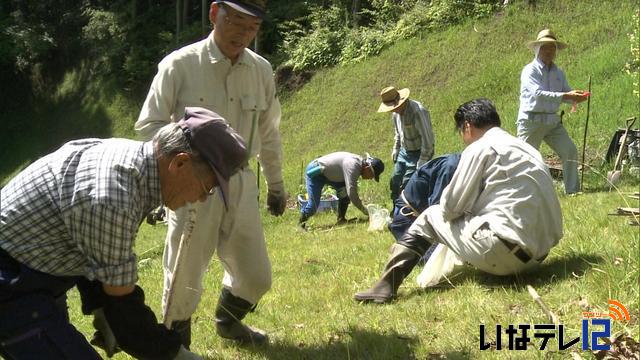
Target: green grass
{"points": [[310, 314]]}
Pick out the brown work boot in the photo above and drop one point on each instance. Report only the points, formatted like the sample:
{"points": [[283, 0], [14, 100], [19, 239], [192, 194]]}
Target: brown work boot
{"points": [[229, 314], [399, 265]]}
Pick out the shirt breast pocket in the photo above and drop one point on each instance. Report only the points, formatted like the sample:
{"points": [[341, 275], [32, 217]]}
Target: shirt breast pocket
{"points": [[252, 103], [252, 106]]}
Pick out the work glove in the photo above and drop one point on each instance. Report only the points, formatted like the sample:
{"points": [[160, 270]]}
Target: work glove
{"points": [[103, 337], [276, 202], [136, 328], [184, 354], [394, 155]]}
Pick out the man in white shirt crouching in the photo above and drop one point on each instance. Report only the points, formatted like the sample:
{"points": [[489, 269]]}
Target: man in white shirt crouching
{"points": [[500, 212]]}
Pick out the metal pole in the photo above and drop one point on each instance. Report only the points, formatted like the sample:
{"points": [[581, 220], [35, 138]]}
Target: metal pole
{"points": [[584, 139]]}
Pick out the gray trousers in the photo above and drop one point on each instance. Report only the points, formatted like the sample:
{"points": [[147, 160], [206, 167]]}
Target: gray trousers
{"points": [[555, 135], [475, 245]]}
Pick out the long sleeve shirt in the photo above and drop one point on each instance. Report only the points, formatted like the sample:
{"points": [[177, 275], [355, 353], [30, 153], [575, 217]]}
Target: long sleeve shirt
{"points": [[541, 91], [344, 167], [503, 181], [76, 211], [244, 94], [413, 130]]}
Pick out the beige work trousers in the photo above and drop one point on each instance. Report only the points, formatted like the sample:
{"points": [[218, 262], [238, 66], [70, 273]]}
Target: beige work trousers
{"points": [[236, 235], [472, 243]]}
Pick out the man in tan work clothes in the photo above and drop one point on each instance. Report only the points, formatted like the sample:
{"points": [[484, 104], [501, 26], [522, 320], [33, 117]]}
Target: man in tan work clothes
{"points": [[221, 74]]}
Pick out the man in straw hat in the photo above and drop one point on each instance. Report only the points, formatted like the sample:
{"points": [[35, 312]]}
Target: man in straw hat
{"points": [[220, 73], [340, 170], [71, 219], [543, 87], [499, 211], [413, 140]]}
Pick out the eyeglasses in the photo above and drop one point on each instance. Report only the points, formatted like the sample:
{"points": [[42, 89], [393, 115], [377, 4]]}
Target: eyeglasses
{"points": [[208, 192], [239, 27]]}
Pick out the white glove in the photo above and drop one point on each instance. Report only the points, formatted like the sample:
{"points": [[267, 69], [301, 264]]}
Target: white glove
{"points": [[394, 155], [184, 354]]}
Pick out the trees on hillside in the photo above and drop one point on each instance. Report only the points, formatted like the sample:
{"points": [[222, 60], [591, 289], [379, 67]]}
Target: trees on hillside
{"points": [[123, 40]]}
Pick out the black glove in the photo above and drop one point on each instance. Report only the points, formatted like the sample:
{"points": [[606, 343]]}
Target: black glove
{"points": [[103, 337], [136, 328], [276, 202], [91, 295], [92, 298]]}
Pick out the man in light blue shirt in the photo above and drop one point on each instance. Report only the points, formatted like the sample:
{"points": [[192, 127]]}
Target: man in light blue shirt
{"points": [[543, 87]]}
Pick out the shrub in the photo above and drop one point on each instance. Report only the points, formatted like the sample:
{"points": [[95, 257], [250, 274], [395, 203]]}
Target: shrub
{"points": [[360, 44], [322, 46], [106, 35], [332, 41], [633, 66]]}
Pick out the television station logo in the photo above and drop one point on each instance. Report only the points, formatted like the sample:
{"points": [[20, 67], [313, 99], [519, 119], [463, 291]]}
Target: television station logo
{"points": [[595, 326]]}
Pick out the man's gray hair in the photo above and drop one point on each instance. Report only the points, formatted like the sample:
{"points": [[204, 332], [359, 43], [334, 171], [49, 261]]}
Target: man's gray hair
{"points": [[170, 139]]}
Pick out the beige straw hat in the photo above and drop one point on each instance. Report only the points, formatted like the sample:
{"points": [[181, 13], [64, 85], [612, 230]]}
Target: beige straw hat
{"points": [[392, 98], [546, 36]]}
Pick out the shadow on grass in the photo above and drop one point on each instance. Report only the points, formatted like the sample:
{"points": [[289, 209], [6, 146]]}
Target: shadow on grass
{"points": [[550, 271], [352, 343], [335, 225]]}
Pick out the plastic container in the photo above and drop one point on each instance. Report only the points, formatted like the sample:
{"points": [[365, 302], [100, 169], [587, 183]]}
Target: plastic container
{"points": [[325, 204], [378, 217]]}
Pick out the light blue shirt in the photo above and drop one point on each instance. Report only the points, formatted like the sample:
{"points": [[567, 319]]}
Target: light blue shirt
{"points": [[541, 90]]}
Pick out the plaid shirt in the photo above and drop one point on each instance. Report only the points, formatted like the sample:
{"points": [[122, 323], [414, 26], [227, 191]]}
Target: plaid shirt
{"points": [[76, 212], [413, 130]]}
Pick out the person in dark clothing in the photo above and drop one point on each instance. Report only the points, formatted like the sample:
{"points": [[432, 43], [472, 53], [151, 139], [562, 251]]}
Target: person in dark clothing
{"points": [[423, 189]]}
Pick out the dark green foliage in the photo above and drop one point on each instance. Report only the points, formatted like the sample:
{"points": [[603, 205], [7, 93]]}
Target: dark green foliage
{"points": [[330, 36]]}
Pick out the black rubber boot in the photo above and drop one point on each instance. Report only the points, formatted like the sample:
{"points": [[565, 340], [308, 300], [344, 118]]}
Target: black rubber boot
{"points": [[399, 265], [183, 328], [302, 223], [229, 314], [343, 205]]}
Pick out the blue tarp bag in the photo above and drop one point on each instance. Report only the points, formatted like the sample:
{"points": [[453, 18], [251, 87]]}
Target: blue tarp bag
{"points": [[314, 169]]}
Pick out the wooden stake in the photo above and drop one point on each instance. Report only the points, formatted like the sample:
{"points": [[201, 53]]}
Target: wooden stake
{"points": [[534, 294]]}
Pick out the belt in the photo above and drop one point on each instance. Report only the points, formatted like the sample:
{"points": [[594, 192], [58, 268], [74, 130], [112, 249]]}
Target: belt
{"points": [[519, 252], [403, 210]]}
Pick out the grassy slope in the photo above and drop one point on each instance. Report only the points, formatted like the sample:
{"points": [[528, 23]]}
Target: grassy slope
{"points": [[447, 68], [309, 312]]}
